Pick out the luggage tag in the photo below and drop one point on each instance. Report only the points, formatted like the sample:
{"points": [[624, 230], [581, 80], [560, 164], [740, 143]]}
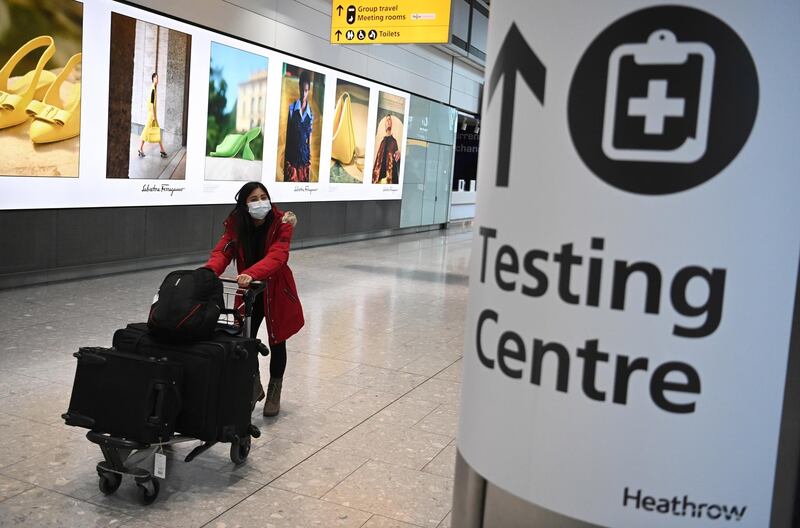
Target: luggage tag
{"points": [[661, 49], [160, 463]]}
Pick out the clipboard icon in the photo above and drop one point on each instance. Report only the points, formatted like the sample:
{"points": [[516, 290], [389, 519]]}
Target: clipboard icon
{"points": [[657, 106]]}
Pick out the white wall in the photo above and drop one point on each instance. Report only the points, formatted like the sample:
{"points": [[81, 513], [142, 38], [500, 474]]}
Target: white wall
{"points": [[302, 28]]}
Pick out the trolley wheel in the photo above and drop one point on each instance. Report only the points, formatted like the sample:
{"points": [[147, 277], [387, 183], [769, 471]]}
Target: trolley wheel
{"points": [[240, 449], [109, 482], [254, 431], [148, 496]]}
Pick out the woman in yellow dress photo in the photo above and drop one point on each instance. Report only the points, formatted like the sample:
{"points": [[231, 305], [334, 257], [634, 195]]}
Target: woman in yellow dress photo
{"points": [[152, 131]]}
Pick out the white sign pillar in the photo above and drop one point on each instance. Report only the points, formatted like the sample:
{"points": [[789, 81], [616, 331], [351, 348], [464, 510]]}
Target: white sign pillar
{"points": [[635, 261]]}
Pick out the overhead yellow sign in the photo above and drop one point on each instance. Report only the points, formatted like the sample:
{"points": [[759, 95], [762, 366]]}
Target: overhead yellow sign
{"points": [[390, 22]]}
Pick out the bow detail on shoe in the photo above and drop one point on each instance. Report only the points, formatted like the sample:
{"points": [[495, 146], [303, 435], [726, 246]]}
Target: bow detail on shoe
{"points": [[9, 101], [48, 113]]}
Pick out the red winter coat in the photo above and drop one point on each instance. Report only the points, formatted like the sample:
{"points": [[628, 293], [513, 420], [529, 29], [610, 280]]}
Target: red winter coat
{"points": [[282, 309]]}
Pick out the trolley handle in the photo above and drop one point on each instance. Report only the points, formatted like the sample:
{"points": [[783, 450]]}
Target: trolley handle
{"points": [[248, 295], [255, 286]]}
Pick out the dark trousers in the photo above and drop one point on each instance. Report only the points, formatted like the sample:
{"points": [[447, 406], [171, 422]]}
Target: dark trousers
{"points": [[277, 362]]}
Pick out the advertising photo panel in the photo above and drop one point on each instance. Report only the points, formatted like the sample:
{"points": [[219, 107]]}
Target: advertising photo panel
{"points": [[300, 125], [40, 87], [147, 100], [389, 139], [237, 98], [349, 139]]}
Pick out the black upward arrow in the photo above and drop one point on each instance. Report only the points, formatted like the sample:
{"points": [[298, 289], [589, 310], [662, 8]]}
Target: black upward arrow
{"points": [[339, 9], [515, 56], [338, 34]]}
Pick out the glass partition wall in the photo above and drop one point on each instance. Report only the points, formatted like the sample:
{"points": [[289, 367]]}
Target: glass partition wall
{"points": [[429, 163]]}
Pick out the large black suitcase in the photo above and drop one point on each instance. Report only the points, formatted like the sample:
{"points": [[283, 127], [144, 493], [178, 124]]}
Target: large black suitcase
{"points": [[131, 396], [218, 379]]}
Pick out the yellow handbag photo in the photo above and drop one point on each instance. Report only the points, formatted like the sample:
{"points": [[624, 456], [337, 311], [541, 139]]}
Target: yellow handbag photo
{"points": [[152, 132], [343, 145]]}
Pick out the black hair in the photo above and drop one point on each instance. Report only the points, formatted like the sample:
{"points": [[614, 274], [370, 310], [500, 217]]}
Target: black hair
{"points": [[242, 221], [153, 77], [305, 78]]}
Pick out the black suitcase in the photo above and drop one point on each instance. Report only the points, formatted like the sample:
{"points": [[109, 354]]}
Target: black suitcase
{"points": [[131, 396], [218, 379]]}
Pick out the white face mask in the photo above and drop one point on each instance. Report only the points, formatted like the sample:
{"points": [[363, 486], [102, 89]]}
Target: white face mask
{"points": [[258, 210]]}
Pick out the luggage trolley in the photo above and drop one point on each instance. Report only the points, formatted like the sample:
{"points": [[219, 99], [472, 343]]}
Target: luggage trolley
{"points": [[122, 455]]}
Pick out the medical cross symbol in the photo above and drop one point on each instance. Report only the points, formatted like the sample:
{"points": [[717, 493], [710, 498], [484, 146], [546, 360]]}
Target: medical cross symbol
{"points": [[656, 107]]}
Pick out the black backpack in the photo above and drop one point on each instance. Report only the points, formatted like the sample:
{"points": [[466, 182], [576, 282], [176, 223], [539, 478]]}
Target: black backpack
{"points": [[187, 306]]}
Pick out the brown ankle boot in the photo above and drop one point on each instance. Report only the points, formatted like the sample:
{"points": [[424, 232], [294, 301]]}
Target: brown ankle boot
{"points": [[273, 404]]}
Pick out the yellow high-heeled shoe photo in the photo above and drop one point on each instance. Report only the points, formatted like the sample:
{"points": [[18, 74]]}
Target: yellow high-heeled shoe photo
{"points": [[16, 94], [343, 145], [53, 118]]}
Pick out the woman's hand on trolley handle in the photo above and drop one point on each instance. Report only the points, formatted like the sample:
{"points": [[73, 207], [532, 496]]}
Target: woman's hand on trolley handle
{"points": [[244, 280]]}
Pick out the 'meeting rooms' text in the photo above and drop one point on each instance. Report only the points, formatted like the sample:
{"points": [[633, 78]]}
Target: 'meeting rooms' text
{"points": [[673, 385]]}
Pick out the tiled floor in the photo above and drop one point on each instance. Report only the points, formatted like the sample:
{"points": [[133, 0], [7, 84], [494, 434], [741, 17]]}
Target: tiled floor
{"points": [[366, 434]]}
